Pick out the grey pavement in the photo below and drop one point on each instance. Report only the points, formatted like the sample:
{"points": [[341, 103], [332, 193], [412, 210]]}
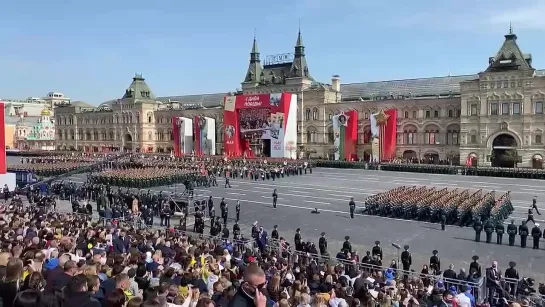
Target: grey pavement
{"points": [[329, 190]]}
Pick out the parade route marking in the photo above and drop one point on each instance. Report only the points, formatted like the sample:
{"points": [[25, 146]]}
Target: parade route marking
{"points": [[312, 187], [316, 202]]}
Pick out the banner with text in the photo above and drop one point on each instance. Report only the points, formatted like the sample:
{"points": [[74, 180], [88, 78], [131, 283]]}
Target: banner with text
{"points": [[265, 116]]}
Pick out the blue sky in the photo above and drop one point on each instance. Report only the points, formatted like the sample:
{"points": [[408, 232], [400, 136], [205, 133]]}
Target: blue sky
{"points": [[90, 50]]}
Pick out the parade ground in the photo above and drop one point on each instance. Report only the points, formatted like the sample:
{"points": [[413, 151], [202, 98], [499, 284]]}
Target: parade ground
{"points": [[329, 190]]}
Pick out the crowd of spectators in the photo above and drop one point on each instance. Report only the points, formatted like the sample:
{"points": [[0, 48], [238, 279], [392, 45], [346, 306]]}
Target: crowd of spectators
{"points": [[55, 260], [251, 119]]}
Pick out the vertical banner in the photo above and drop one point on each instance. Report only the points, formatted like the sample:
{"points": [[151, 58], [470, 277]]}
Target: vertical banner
{"points": [[345, 129], [390, 134], [182, 132], [3, 161], [210, 136], [176, 136], [384, 132], [338, 131], [351, 135], [205, 135], [198, 123]]}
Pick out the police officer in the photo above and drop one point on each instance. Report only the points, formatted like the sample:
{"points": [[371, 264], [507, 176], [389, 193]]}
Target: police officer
{"points": [[435, 262], [297, 240], [352, 206], [210, 205], [478, 227], [237, 209], [512, 232], [523, 233], [406, 258], [475, 265], [443, 219], [275, 198], [377, 250], [165, 215], [225, 234], [274, 234], [347, 246], [536, 235], [500, 229], [513, 274], [322, 244], [488, 230], [212, 216], [225, 213], [236, 231], [227, 184]]}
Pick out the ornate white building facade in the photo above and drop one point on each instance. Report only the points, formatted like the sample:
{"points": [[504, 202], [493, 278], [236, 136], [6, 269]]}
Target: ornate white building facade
{"points": [[440, 119], [38, 135]]}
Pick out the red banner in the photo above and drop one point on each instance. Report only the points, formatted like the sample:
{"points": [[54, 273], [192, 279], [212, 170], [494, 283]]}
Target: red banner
{"points": [[3, 161], [176, 136], [389, 135], [351, 135], [197, 145]]}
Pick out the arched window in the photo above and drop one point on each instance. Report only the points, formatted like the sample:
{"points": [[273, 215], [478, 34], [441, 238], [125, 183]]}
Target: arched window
{"points": [[409, 135], [311, 135], [330, 135], [367, 135], [453, 134], [315, 114], [150, 117], [431, 135], [307, 114]]}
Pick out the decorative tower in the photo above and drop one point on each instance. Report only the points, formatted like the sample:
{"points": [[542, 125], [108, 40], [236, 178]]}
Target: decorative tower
{"points": [[254, 68], [299, 68]]}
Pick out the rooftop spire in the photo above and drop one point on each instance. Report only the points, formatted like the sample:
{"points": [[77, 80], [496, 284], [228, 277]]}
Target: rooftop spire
{"points": [[510, 28], [254, 69], [299, 37], [299, 66]]}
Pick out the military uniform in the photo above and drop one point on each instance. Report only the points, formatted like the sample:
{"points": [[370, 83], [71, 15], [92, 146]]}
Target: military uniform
{"points": [[512, 232], [500, 229], [406, 259]]}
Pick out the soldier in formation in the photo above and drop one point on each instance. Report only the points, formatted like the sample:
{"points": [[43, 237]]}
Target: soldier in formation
{"points": [[512, 232], [443, 206], [352, 207], [406, 259]]}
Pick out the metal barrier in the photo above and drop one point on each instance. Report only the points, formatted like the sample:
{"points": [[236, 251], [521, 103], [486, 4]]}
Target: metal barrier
{"points": [[514, 293], [509, 287]]}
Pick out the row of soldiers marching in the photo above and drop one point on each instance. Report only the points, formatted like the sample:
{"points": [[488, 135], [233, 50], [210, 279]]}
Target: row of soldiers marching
{"points": [[495, 224], [458, 206], [263, 171]]}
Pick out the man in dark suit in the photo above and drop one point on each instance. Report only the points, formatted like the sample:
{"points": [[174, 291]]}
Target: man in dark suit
{"points": [[262, 239], [121, 243], [493, 277], [449, 275]]}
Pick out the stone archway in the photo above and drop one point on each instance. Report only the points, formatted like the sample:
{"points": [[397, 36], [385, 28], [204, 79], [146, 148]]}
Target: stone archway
{"points": [[537, 161], [431, 157], [472, 159], [504, 151], [127, 142], [409, 155]]}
